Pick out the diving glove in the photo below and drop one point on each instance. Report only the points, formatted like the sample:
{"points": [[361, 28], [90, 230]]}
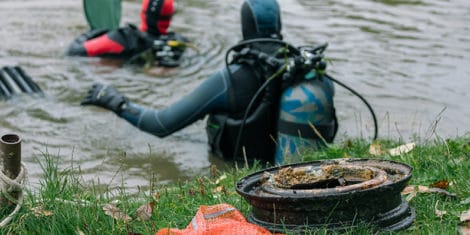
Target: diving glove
{"points": [[105, 96]]}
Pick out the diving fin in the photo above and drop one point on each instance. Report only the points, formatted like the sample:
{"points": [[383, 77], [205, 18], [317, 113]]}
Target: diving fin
{"points": [[13, 80], [102, 14]]}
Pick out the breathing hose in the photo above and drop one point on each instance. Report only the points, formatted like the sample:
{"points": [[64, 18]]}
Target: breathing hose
{"points": [[376, 129]]}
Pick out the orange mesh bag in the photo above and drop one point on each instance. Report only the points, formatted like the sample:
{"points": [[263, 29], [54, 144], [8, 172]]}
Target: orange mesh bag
{"points": [[217, 219]]}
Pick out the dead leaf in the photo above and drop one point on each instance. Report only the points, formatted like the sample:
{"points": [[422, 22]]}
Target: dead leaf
{"points": [[464, 225], [443, 184], [156, 196], [376, 149], [401, 149], [115, 213], [424, 189], [144, 212], [222, 177], [464, 230], [465, 217], [39, 211]]}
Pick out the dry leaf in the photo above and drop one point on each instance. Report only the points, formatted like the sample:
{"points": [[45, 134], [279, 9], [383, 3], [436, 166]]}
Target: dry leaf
{"points": [[376, 149], [443, 184], [464, 225], [144, 212], [464, 230], [424, 189], [156, 196], [405, 148], [115, 213], [39, 211], [401, 149], [465, 217], [222, 177]]}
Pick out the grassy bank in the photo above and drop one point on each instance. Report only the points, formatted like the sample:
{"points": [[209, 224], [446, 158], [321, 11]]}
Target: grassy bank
{"points": [[65, 205]]}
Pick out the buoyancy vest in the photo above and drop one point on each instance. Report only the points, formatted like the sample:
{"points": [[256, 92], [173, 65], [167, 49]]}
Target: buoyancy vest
{"points": [[130, 44], [259, 134]]}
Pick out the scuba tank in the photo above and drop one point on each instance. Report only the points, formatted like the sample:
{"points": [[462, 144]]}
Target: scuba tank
{"points": [[306, 118]]}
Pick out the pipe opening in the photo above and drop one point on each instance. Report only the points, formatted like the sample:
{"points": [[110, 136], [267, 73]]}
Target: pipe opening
{"points": [[10, 139]]}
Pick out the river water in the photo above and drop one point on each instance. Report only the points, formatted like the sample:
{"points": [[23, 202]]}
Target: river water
{"points": [[409, 59]]}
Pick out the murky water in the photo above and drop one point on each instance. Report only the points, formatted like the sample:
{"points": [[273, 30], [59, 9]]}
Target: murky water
{"points": [[410, 60]]}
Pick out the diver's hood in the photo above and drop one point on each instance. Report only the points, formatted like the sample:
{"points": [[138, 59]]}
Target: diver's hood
{"points": [[156, 16], [261, 19]]}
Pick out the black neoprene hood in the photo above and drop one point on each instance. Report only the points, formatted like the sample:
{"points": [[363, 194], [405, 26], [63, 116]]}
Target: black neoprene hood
{"points": [[261, 19]]}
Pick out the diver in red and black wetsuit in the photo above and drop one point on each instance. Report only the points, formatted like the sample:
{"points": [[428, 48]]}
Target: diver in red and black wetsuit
{"points": [[129, 42]]}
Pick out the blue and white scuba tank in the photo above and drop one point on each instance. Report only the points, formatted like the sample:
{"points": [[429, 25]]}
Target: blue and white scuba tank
{"points": [[302, 105]]}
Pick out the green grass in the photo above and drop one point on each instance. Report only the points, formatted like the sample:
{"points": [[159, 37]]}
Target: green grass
{"points": [[56, 212]]}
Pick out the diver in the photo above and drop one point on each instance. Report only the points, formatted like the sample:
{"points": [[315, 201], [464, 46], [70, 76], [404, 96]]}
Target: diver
{"points": [[253, 113], [129, 43]]}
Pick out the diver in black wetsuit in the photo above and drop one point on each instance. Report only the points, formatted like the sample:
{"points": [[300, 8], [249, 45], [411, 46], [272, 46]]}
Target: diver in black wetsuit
{"points": [[129, 42], [226, 94]]}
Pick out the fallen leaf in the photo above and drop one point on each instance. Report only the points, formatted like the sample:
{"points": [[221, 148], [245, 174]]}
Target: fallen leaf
{"points": [[222, 177], [144, 212], [156, 196], [465, 217], [464, 225], [115, 213], [464, 230], [401, 149], [219, 189], [376, 149], [443, 184], [39, 211], [424, 189]]}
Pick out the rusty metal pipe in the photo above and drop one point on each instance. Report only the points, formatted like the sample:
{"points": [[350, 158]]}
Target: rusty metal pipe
{"points": [[10, 155]]}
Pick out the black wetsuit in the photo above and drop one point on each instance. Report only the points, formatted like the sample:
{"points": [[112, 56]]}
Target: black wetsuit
{"points": [[213, 96]]}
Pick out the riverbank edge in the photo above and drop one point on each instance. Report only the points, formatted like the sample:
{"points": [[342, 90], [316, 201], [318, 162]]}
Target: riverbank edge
{"points": [[64, 204]]}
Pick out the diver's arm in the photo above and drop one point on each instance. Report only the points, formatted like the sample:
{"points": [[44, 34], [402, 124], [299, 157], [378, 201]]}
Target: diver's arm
{"points": [[210, 97]]}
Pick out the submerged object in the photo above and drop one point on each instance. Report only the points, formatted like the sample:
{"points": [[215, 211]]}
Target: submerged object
{"points": [[14, 80], [335, 194]]}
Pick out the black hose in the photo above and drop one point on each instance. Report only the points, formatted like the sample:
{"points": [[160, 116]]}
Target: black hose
{"points": [[252, 101], [376, 129]]}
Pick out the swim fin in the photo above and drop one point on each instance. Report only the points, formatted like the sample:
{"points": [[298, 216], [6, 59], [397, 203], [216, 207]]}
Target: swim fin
{"points": [[14, 80], [102, 14]]}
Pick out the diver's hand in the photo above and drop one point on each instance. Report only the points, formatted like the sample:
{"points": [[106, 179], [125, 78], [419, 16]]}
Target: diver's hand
{"points": [[105, 96]]}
